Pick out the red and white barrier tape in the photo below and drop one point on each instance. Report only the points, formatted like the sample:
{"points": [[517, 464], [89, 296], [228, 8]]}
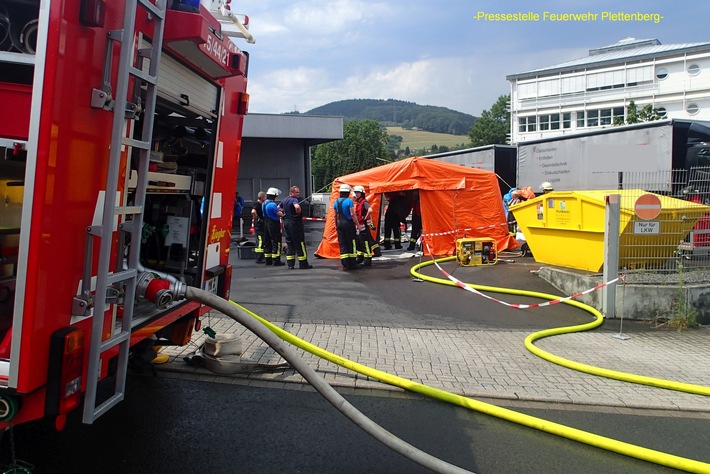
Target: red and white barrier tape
{"points": [[457, 231], [464, 286], [313, 218]]}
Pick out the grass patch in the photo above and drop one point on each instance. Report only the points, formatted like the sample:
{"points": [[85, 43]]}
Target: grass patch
{"points": [[418, 139]]}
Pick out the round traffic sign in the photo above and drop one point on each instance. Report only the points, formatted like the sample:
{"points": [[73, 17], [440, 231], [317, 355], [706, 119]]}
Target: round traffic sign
{"points": [[648, 206]]}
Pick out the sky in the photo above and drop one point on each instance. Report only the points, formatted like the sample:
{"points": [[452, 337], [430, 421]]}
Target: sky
{"points": [[447, 53]]}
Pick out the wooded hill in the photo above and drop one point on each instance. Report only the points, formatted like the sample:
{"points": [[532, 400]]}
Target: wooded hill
{"points": [[397, 112]]}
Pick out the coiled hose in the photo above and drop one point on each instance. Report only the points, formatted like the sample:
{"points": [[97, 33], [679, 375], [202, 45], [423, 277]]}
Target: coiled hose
{"points": [[598, 320]]}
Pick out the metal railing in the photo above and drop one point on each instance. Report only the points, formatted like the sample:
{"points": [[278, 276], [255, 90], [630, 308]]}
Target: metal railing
{"points": [[679, 236]]}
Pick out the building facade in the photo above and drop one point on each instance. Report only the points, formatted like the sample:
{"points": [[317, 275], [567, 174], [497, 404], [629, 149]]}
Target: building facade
{"points": [[276, 152], [594, 92]]}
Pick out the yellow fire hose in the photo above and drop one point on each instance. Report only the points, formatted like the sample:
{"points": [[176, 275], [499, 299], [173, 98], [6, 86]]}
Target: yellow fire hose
{"points": [[609, 444], [599, 319]]}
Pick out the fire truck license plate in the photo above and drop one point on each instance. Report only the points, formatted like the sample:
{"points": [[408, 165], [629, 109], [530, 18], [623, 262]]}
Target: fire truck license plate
{"points": [[211, 285]]}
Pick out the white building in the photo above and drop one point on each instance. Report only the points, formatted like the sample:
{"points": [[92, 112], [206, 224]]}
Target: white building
{"points": [[590, 93]]}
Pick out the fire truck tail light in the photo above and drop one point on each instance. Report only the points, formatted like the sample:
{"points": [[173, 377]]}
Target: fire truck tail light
{"points": [[242, 103], [227, 282], [66, 366]]}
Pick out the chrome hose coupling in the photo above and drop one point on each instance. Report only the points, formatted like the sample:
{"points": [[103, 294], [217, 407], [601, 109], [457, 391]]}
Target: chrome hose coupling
{"points": [[161, 292]]}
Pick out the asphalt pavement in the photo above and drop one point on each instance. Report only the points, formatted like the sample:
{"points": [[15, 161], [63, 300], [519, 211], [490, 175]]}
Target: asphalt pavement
{"points": [[448, 338]]}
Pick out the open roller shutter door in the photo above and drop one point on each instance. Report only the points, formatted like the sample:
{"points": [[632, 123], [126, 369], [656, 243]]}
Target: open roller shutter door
{"points": [[180, 85]]}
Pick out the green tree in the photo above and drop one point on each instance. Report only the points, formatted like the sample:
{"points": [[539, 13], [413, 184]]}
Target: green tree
{"points": [[363, 142], [493, 126], [393, 144], [634, 115]]}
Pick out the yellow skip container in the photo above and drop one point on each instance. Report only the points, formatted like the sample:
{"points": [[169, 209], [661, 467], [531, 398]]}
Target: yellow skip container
{"points": [[566, 228]]}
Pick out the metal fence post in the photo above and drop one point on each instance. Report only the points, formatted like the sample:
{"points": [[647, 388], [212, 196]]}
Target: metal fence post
{"points": [[611, 253]]}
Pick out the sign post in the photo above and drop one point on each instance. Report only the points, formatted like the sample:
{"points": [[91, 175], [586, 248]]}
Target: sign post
{"points": [[611, 253]]}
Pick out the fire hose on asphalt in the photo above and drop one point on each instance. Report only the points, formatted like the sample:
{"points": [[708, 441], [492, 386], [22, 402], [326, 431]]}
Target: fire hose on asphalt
{"points": [[373, 429], [273, 335]]}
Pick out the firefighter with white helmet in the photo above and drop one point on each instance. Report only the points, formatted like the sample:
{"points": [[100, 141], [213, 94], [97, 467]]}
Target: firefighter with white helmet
{"points": [[346, 223], [546, 187], [272, 228], [366, 244]]}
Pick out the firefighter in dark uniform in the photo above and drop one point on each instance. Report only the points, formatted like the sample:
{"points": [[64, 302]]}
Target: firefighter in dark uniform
{"points": [[346, 224], [293, 230], [257, 215], [366, 244], [416, 220], [272, 228], [396, 213]]}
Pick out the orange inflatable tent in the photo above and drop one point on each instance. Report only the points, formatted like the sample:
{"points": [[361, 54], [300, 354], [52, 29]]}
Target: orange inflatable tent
{"points": [[456, 202]]}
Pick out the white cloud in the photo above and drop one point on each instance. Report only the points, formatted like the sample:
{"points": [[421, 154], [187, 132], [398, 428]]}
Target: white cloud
{"points": [[325, 18], [446, 82], [312, 52]]}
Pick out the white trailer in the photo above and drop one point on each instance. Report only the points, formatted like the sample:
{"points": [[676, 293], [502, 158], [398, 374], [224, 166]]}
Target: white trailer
{"points": [[590, 161]]}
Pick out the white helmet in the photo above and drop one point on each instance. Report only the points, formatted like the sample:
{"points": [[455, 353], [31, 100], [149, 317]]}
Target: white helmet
{"points": [[344, 188], [359, 189], [546, 186], [273, 192]]}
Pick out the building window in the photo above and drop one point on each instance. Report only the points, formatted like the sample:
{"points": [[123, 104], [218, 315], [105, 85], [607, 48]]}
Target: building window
{"points": [[580, 119], [617, 116], [527, 90], [694, 70], [526, 124], [692, 109], [554, 121], [639, 75], [661, 73], [544, 122], [548, 87], [571, 85], [592, 118], [605, 80], [605, 117], [567, 120]]}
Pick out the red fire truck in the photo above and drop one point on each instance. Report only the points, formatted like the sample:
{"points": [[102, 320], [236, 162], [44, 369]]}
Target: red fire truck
{"points": [[120, 135]]}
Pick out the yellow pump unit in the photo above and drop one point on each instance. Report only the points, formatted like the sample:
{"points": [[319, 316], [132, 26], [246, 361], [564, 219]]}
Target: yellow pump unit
{"points": [[473, 252]]}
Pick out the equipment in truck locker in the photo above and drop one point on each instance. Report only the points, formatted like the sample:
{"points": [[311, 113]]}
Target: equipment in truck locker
{"points": [[110, 222]]}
